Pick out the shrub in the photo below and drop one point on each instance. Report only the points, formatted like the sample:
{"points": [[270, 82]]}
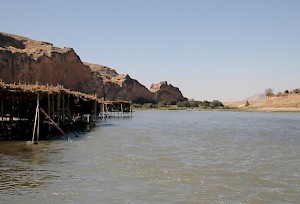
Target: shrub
{"points": [[216, 104], [269, 92], [194, 103], [162, 104], [296, 91], [149, 105], [247, 104], [137, 105]]}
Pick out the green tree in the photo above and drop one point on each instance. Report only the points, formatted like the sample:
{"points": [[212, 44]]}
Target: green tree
{"points": [[149, 105], [216, 104], [162, 104], [296, 91], [269, 92], [194, 103], [205, 104], [247, 104]]}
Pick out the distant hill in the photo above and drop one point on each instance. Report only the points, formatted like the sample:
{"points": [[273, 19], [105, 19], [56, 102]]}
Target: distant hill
{"points": [[255, 97], [287, 102]]}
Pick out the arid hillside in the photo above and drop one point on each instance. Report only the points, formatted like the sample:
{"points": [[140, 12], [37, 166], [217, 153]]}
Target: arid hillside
{"points": [[288, 102]]}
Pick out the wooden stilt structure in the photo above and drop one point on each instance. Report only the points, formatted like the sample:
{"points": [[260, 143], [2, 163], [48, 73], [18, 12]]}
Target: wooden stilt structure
{"points": [[56, 125], [21, 105]]}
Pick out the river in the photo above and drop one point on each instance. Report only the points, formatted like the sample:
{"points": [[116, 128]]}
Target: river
{"points": [[161, 157]]}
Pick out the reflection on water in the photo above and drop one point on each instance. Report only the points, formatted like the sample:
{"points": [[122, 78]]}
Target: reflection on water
{"points": [[161, 157], [21, 167]]}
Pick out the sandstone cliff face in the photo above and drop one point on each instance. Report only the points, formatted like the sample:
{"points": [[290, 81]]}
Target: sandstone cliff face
{"points": [[120, 86], [29, 61], [166, 92]]}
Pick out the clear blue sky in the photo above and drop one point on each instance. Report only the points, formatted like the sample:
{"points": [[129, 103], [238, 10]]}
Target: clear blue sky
{"points": [[210, 49]]}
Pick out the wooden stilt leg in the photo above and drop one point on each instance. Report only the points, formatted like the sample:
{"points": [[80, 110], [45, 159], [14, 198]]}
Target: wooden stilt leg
{"points": [[2, 113], [34, 126], [38, 118], [130, 109], [49, 113], [103, 114], [58, 107], [63, 108], [53, 106], [122, 113]]}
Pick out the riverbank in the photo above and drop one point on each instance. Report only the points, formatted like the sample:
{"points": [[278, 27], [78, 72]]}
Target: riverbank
{"points": [[283, 103], [233, 109]]}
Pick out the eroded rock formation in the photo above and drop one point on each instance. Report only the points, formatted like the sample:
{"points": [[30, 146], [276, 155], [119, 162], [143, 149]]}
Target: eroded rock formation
{"points": [[120, 86], [166, 92], [30, 61]]}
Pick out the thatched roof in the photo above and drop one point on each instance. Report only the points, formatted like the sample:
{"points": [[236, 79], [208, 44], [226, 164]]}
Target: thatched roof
{"points": [[36, 88]]}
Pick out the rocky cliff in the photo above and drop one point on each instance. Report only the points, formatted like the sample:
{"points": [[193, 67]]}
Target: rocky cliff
{"points": [[30, 61], [120, 86], [166, 92]]}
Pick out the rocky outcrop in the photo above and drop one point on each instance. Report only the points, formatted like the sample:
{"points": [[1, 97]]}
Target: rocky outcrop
{"points": [[166, 92], [30, 61], [120, 86]]}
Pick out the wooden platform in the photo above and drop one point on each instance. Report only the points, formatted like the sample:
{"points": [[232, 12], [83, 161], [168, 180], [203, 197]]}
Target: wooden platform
{"points": [[29, 111]]}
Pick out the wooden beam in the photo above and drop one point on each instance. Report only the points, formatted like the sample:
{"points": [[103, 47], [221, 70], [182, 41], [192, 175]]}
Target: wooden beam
{"points": [[53, 106], [95, 109], [103, 114], [63, 108], [56, 125], [130, 109], [122, 113], [49, 113], [34, 126], [2, 112], [58, 107], [38, 120]]}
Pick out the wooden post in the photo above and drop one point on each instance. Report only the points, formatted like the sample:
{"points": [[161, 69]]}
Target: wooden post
{"points": [[53, 104], [49, 113], [11, 118], [95, 108], [103, 115], [63, 108], [122, 113], [18, 121], [58, 106], [34, 126], [130, 109], [68, 107], [106, 110], [2, 112], [38, 121]]}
